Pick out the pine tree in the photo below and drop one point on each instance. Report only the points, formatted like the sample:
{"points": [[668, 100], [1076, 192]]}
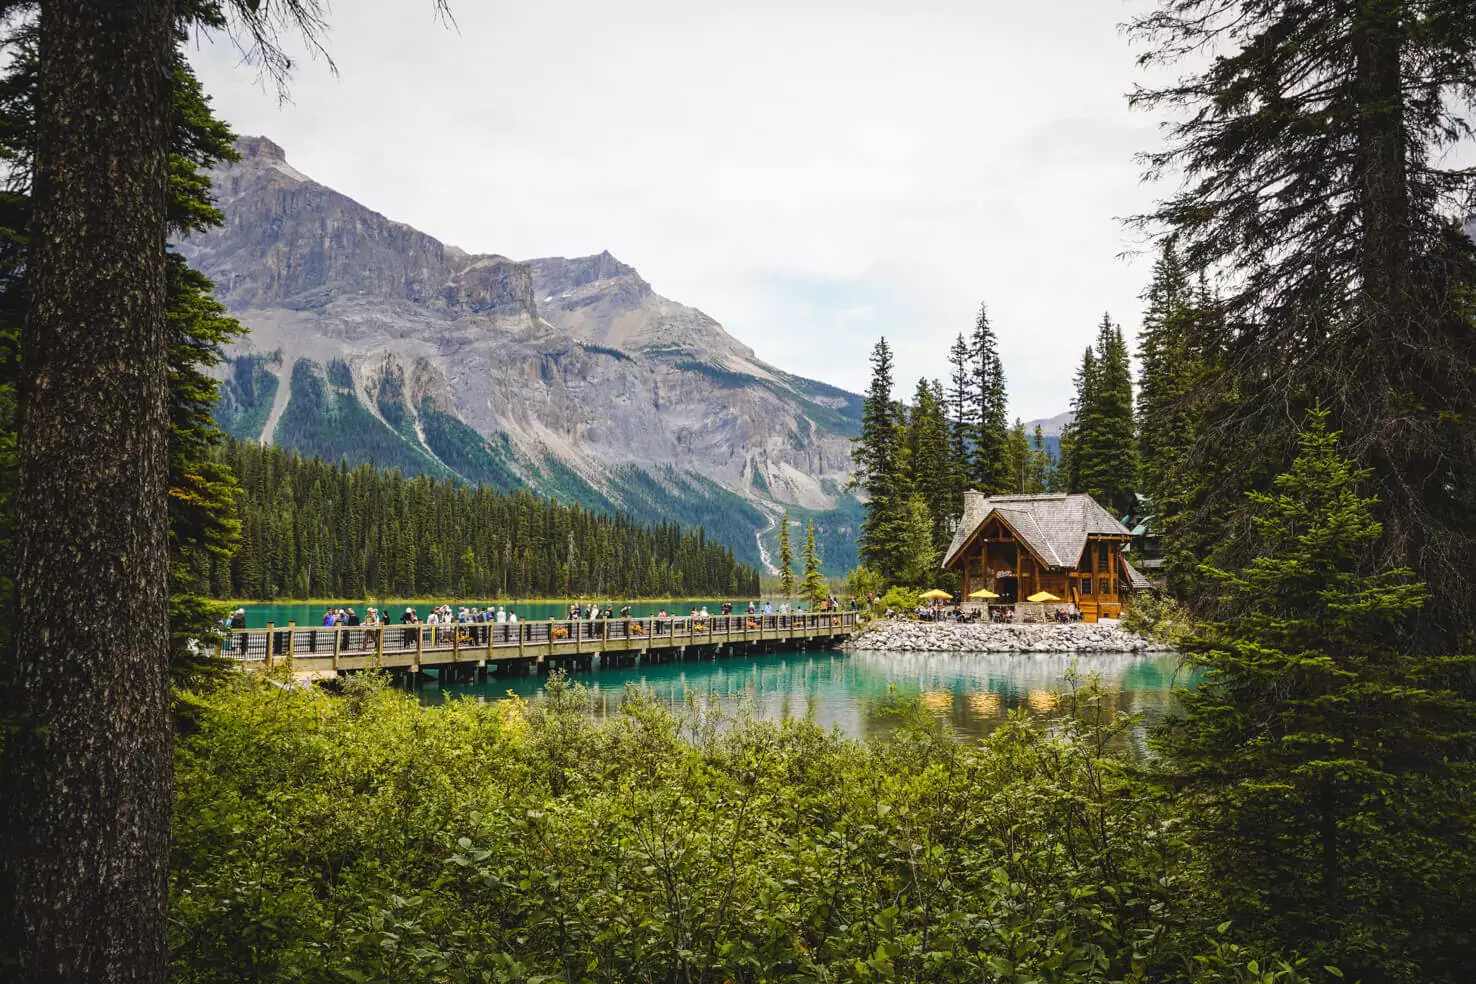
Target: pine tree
{"points": [[929, 460], [817, 589], [1164, 372], [1038, 472], [1083, 416], [1331, 765], [919, 555], [1019, 457], [1314, 144], [1102, 451], [202, 526], [879, 469], [962, 415], [1177, 362], [786, 559], [989, 466]]}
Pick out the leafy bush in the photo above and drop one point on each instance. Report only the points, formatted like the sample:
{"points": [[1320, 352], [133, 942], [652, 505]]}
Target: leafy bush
{"points": [[899, 599], [1155, 617], [366, 837]]}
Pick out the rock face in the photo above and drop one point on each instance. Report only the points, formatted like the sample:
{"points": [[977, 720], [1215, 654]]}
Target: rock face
{"points": [[372, 340], [899, 635]]}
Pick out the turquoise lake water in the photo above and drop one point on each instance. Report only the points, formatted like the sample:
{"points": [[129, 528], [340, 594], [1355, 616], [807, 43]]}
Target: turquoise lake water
{"points": [[970, 693]]}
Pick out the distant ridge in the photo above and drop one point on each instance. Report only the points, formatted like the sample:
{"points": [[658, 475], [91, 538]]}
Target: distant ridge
{"points": [[374, 341]]}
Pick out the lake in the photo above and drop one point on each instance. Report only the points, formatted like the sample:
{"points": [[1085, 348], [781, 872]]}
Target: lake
{"points": [[970, 693]]}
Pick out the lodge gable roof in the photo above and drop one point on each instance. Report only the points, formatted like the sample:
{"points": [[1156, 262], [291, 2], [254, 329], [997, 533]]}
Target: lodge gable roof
{"points": [[1053, 526]]}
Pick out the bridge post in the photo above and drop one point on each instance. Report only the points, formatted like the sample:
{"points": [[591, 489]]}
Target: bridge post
{"points": [[491, 631], [379, 644], [521, 634], [291, 638], [456, 642], [337, 646], [271, 628], [419, 642]]}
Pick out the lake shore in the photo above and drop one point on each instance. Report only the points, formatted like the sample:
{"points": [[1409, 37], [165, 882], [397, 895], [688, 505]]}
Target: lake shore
{"points": [[902, 635]]}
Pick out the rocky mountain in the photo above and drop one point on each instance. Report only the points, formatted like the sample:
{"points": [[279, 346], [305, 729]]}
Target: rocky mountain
{"points": [[373, 341], [1051, 426]]}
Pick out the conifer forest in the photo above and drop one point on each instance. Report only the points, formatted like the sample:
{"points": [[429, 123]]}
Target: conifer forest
{"points": [[1293, 416], [314, 530]]}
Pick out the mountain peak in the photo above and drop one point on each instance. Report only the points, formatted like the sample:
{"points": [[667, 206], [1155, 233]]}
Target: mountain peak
{"points": [[567, 274], [253, 147]]}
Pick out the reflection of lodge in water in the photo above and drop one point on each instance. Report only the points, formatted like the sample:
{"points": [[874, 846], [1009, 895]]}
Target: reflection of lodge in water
{"points": [[973, 693], [970, 693], [1067, 545]]}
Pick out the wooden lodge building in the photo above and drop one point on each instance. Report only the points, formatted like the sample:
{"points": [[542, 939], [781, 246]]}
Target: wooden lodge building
{"points": [[1018, 545]]}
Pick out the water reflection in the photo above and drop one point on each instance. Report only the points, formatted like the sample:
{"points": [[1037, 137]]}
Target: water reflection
{"points": [[970, 693]]}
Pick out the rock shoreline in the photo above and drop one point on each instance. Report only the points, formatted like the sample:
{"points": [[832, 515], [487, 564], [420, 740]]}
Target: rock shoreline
{"points": [[901, 635]]}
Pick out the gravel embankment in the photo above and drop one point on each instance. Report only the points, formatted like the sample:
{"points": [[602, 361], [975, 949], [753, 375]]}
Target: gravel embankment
{"points": [[989, 637]]}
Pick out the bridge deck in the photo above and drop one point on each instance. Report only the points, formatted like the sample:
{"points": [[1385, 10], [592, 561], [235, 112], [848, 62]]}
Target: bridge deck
{"points": [[416, 646]]}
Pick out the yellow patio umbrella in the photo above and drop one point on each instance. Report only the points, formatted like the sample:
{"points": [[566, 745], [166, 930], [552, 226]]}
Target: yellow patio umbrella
{"points": [[1042, 596], [983, 593], [937, 593]]}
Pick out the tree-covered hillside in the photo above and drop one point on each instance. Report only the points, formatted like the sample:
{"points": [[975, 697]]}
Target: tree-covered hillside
{"points": [[313, 529]]}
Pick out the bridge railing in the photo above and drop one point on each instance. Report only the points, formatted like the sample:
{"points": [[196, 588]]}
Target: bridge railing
{"points": [[487, 640]]}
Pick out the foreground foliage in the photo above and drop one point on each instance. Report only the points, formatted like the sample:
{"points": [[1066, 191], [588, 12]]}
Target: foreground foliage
{"points": [[364, 837], [1333, 762]]}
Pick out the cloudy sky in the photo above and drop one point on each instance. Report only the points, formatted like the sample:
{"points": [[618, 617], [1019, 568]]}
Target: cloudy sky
{"points": [[812, 173]]}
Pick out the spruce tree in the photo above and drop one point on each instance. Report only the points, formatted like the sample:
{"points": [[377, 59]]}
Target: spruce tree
{"points": [[817, 589], [929, 460], [1038, 477], [1313, 141], [1102, 451], [879, 469], [786, 559], [989, 466], [919, 555], [1083, 421], [1165, 373], [1331, 765], [1177, 362], [1117, 453], [962, 414], [1019, 457]]}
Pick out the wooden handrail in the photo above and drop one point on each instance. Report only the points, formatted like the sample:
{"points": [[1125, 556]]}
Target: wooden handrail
{"points": [[268, 644]]}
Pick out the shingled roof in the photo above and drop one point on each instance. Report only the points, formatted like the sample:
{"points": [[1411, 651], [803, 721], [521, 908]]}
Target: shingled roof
{"points": [[1136, 578], [1054, 526]]}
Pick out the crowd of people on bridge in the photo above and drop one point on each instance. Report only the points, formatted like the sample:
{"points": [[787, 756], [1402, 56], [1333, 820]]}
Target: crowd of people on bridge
{"points": [[348, 617]]}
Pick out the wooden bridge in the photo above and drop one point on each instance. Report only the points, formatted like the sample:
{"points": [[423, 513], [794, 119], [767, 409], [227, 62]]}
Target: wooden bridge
{"points": [[464, 649]]}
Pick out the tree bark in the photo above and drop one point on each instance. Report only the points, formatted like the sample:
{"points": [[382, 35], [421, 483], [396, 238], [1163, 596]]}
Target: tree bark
{"points": [[89, 770], [1382, 172]]}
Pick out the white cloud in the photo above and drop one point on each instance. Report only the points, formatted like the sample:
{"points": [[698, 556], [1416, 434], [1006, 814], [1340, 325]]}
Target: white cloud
{"points": [[812, 173]]}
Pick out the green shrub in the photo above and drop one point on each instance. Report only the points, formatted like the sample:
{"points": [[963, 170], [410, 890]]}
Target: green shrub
{"points": [[1156, 617], [368, 838], [902, 601]]}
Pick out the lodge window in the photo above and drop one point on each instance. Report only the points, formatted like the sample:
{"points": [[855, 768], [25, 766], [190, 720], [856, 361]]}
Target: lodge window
{"points": [[1102, 556], [1086, 585]]}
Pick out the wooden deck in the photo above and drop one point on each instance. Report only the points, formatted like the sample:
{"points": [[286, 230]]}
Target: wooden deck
{"points": [[526, 646]]}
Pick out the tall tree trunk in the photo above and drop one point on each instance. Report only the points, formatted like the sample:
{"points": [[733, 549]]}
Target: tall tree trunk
{"points": [[1382, 174], [89, 770]]}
